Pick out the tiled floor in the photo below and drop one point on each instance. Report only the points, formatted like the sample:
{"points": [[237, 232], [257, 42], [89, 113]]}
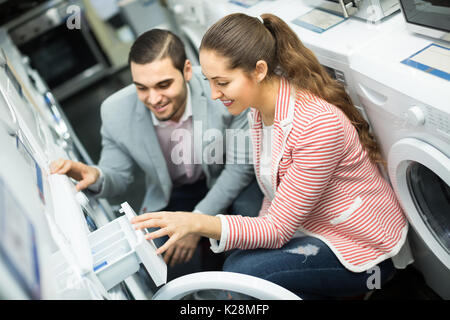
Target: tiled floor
{"points": [[83, 111]]}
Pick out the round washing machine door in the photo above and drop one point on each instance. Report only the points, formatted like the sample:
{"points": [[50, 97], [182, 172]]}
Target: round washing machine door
{"points": [[420, 176]]}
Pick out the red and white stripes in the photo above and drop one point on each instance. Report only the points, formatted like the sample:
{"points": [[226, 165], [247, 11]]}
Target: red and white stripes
{"points": [[326, 186]]}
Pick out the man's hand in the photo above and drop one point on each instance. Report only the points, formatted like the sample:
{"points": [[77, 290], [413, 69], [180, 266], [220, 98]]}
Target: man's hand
{"points": [[182, 250], [86, 175]]}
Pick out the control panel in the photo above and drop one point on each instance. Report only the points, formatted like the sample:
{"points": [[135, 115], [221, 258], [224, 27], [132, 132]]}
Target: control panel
{"points": [[438, 120]]}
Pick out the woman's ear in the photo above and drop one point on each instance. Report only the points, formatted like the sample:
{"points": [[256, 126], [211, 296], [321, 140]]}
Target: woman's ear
{"points": [[260, 70], [187, 70]]}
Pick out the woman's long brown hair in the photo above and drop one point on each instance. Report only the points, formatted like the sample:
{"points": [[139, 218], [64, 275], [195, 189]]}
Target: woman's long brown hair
{"points": [[244, 40]]}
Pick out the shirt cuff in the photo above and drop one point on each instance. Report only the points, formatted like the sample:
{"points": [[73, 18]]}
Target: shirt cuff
{"points": [[218, 247], [97, 186]]}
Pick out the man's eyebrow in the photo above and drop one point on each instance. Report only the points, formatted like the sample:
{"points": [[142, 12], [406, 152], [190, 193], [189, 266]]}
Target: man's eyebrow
{"points": [[157, 84], [164, 81], [138, 84]]}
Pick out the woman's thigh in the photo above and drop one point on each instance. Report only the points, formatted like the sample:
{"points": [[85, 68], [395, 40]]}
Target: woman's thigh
{"points": [[307, 267]]}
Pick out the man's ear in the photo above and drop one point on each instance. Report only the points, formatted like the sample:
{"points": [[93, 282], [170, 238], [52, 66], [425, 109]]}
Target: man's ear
{"points": [[260, 71], [187, 70]]}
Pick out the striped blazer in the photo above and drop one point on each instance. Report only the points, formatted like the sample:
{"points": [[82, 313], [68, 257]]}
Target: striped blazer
{"points": [[325, 186]]}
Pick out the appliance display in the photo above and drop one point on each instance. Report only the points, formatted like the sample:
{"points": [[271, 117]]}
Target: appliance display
{"points": [[72, 249], [369, 10], [409, 114], [73, 53], [428, 17], [18, 243]]}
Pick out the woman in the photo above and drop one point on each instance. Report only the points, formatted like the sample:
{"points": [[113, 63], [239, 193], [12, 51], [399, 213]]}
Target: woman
{"points": [[328, 219]]}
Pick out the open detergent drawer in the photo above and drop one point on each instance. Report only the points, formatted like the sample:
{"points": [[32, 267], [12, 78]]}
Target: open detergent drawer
{"points": [[117, 251]]}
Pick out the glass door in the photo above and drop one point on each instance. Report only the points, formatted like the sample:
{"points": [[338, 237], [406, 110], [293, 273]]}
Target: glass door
{"points": [[59, 55], [420, 175], [432, 198]]}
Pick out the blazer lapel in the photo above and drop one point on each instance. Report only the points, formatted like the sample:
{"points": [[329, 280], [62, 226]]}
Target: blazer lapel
{"points": [[199, 122], [256, 127], [284, 116], [146, 134]]}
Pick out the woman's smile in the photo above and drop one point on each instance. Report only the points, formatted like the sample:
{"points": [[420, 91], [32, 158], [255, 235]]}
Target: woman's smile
{"points": [[227, 103]]}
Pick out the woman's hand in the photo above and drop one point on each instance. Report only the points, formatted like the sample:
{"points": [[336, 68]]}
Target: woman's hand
{"points": [[177, 225]]}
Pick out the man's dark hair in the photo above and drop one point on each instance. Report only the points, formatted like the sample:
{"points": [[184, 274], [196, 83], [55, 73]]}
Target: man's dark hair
{"points": [[158, 44]]}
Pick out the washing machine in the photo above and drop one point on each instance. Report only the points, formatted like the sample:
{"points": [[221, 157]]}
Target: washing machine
{"points": [[409, 110], [189, 24]]}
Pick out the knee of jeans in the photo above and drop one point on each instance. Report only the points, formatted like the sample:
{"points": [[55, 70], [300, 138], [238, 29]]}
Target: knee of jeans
{"points": [[236, 262]]}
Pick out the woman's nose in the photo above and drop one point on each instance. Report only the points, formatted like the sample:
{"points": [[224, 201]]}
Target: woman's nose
{"points": [[215, 94]]}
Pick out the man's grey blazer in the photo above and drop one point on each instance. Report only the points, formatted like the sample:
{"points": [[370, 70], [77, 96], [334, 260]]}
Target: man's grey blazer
{"points": [[129, 138]]}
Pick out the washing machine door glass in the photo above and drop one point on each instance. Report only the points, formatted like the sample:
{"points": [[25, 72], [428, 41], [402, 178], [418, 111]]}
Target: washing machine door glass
{"points": [[432, 199]]}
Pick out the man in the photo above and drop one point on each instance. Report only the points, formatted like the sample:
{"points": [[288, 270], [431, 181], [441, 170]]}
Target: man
{"points": [[168, 125]]}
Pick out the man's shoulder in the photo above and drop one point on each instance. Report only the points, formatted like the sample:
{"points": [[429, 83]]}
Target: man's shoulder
{"points": [[120, 101], [125, 95], [198, 81]]}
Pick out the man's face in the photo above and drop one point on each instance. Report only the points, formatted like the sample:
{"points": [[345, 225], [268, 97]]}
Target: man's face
{"points": [[162, 87]]}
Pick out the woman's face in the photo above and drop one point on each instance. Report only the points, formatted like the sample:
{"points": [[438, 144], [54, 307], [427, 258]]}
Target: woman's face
{"points": [[233, 87]]}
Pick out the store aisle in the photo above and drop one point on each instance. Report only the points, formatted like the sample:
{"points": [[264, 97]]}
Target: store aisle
{"points": [[83, 112]]}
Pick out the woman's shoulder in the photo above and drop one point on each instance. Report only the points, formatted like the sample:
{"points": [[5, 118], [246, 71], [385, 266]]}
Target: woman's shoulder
{"points": [[309, 107]]}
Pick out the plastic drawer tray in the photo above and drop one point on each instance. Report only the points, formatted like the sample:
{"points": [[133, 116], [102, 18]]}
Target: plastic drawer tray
{"points": [[113, 252]]}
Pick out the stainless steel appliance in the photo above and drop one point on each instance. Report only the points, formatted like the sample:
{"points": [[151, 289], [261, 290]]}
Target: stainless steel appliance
{"points": [[428, 17], [369, 10], [61, 47]]}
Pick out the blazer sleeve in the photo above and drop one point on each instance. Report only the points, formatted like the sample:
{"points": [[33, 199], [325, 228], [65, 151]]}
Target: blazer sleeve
{"points": [[237, 173], [314, 159], [264, 207], [116, 164]]}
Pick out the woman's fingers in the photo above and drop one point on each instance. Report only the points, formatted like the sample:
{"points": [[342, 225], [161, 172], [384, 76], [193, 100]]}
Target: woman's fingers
{"points": [[172, 224], [149, 223], [157, 234], [167, 245], [146, 216]]}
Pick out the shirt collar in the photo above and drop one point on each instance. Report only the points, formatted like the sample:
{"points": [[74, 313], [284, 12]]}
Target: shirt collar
{"points": [[187, 112]]}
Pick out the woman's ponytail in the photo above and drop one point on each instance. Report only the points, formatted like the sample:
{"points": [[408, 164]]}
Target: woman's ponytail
{"points": [[244, 40]]}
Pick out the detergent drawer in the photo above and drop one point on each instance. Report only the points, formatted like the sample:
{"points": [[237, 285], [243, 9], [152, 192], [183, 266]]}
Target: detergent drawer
{"points": [[114, 257], [117, 251]]}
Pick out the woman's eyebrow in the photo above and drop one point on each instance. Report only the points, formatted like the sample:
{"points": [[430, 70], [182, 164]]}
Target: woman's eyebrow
{"points": [[213, 78]]}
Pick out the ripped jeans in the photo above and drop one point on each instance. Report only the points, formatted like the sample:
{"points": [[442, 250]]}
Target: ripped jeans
{"points": [[307, 267]]}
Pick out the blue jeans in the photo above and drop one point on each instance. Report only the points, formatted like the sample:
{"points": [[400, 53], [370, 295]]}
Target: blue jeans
{"points": [[307, 267]]}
